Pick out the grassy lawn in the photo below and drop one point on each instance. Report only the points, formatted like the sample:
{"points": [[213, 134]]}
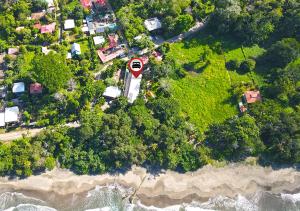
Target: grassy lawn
{"points": [[204, 94], [84, 46]]}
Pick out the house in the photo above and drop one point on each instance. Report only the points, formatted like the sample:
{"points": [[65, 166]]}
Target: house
{"points": [[69, 24], [242, 107], [112, 92], [132, 86], [50, 3], [152, 24], [48, 28], [37, 26], [105, 58], [69, 55], [18, 87], [2, 119], [75, 50], [157, 55], [11, 114], [13, 51], [86, 3], [252, 96], [85, 28], [98, 40], [90, 26], [36, 88], [45, 50], [20, 28], [145, 59], [37, 15]]}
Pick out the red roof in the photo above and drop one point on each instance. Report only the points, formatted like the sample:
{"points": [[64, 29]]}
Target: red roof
{"points": [[101, 2], [145, 59], [37, 26], [113, 42], [86, 3], [105, 58], [48, 28], [36, 88], [252, 96]]}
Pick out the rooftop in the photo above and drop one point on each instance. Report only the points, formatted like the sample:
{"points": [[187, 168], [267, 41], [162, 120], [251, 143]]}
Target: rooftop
{"points": [[11, 114], [152, 24], [69, 24], [36, 88], [99, 40], [112, 92], [132, 87], [48, 28], [18, 87], [252, 96], [76, 49]]}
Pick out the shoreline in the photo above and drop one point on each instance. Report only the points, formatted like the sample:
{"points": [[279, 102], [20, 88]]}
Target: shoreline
{"points": [[164, 189]]}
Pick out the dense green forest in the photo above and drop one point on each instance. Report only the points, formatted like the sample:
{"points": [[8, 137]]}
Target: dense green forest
{"points": [[154, 132]]}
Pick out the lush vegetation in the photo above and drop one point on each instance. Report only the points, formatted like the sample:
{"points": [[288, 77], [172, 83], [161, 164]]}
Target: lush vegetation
{"points": [[187, 113]]}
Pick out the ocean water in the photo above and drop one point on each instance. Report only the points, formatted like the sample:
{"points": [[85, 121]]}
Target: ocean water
{"points": [[113, 198]]}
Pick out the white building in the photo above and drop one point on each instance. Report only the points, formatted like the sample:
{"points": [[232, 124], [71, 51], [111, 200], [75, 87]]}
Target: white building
{"points": [[69, 24], [132, 86], [18, 87], [11, 114], [98, 40], [75, 50], [2, 119], [50, 3], [112, 92], [152, 24]]}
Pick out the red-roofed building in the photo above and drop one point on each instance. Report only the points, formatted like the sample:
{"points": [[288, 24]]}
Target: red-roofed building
{"points": [[105, 58], [101, 2], [36, 88], [86, 3], [145, 59], [252, 96], [157, 55], [48, 28], [37, 26]]}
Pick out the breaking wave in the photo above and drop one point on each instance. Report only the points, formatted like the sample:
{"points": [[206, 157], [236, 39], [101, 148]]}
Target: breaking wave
{"points": [[115, 198]]}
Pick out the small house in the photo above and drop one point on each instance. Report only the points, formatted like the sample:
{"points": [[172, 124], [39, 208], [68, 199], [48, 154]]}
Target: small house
{"points": [[75, 50], [36, 88], [11, 114], [69, 24], [37, 15], [86, 3], [252, 96], [50, 28], [112, 92], [152, 24], [98, 40], [13, 51], [18, 87], [50, 3]]}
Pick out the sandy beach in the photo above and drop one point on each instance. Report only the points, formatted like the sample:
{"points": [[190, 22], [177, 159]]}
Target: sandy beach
{"points": [[166, 188]]}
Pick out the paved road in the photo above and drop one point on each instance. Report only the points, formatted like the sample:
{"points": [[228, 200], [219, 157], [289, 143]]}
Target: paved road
{"points": [[7, 137]]}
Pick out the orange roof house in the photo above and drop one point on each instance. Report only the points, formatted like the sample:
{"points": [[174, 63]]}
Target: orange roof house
{"points": [[48, 28], [37, 15], [36, 88], [252, 96], [86, 3]]}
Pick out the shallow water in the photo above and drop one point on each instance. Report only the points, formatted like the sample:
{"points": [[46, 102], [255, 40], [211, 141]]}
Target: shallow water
{"points": [[113, 198]]}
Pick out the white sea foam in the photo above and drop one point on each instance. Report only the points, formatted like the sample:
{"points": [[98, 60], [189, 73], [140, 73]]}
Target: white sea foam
{"points": [[30, 207]]}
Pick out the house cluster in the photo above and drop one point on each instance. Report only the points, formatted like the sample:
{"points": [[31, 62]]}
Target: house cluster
{"points": [[10, 115], [249, 97], [37, 16], [101, 25]]}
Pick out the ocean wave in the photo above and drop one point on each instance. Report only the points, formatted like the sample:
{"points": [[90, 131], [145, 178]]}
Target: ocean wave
{"points": [[115, 198], [30, 207]]}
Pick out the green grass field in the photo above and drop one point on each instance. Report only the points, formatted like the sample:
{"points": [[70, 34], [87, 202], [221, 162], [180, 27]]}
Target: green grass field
{"points": [[204, 94]]}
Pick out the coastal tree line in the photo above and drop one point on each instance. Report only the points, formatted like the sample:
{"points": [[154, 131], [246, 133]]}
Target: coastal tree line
{"points": [[154, 133]]}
